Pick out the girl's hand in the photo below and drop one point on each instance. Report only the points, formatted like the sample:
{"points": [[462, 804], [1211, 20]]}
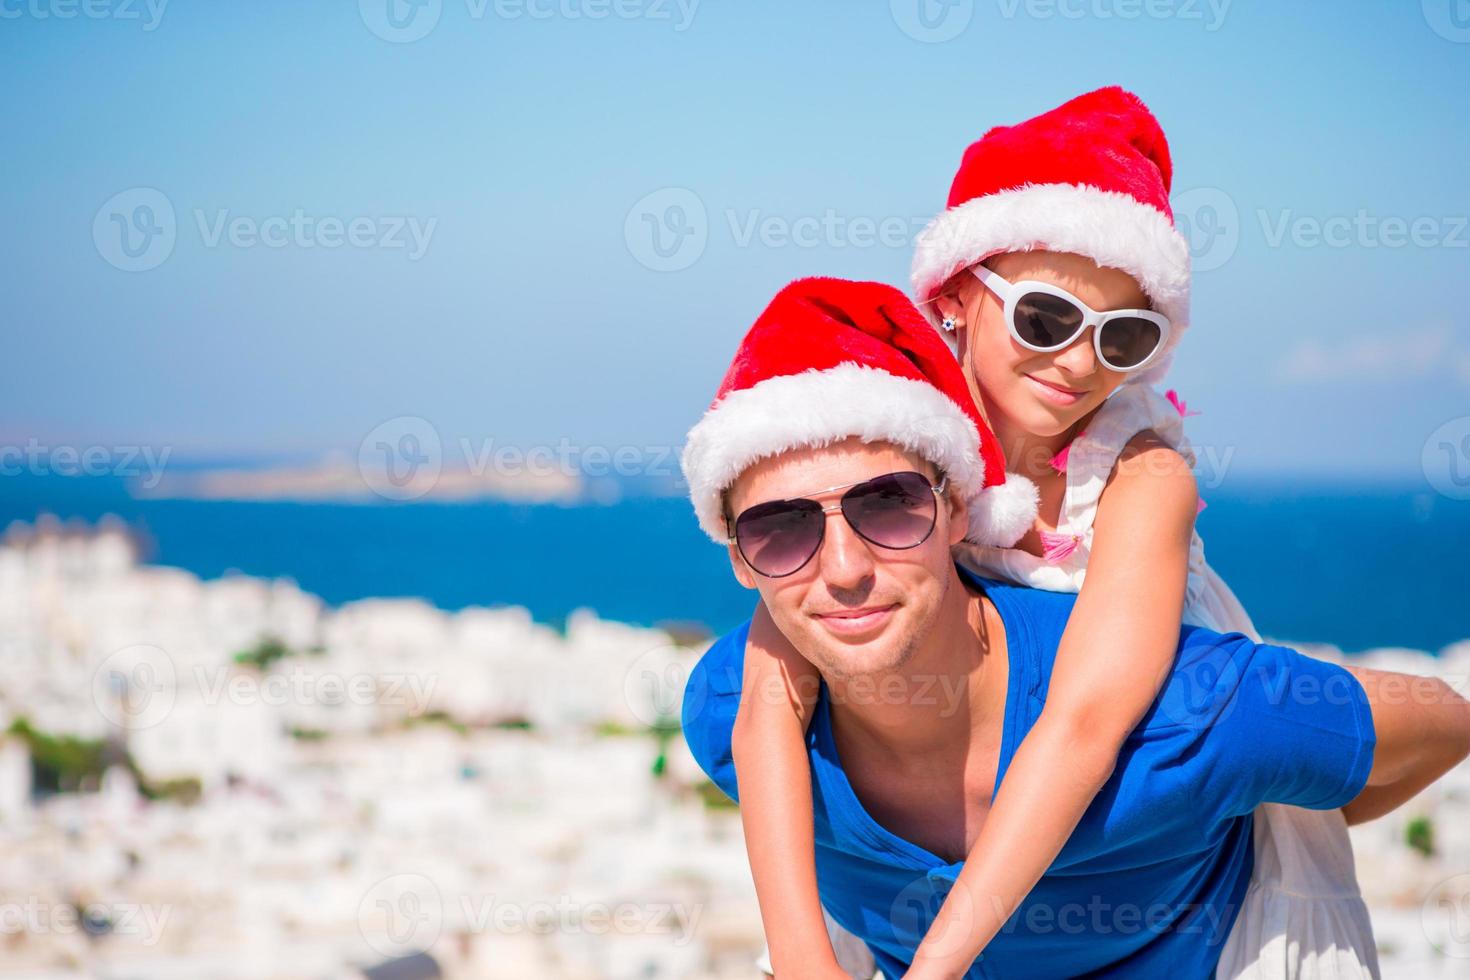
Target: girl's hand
{"points": [[928, 971]]}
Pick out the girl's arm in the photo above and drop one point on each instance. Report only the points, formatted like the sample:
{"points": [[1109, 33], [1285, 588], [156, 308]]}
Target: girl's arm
{"points": [[769, 748], [1114, 656]]}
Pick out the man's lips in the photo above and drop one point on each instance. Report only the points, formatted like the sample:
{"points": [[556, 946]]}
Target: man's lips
{"points": [[1055, 393], [856, 622]]}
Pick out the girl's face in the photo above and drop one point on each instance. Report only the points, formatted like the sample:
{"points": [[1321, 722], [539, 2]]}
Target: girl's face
{"points": [[1041, 394]]}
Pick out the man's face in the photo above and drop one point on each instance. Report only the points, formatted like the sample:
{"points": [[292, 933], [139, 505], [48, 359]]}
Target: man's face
{"points": [[856, 608]]}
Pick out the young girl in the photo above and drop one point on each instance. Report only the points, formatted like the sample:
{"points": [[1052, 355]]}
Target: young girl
{"points": [[1059, 272]]}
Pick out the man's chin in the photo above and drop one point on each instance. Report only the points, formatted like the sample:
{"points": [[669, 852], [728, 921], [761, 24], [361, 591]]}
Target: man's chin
{"points": [[852, 653]]}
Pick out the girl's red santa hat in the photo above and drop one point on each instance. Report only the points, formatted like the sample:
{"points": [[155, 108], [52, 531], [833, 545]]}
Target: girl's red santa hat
{"points": [[1091, 177], [830, 360]]}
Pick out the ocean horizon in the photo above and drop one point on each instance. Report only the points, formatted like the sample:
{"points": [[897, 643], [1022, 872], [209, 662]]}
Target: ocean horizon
{"points": [[1313, 560]]}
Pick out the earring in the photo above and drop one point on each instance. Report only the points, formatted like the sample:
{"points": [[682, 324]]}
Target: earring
{"points": [[948, 324]]}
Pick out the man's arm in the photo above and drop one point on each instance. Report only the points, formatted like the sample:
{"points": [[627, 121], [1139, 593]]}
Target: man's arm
{"points": [[1423, 730]]}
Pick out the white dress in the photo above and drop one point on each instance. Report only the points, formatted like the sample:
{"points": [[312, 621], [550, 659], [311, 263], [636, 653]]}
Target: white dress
{"points": [[1303, 917]]}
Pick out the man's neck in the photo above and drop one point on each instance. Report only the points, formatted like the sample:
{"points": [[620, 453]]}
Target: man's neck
{"points": [[942, 695]]}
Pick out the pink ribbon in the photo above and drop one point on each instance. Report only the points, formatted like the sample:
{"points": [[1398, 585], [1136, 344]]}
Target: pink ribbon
{"points": [[1057, 547], [1059, 461], [1180, 405]]}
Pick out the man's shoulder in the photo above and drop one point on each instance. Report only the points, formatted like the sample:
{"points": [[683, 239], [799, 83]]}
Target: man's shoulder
{"points": [[1037, 607], [1203, 686], [711, 698], [1230, 679], [720, 668]]}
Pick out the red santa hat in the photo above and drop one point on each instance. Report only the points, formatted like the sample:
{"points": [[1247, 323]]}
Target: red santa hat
{"points": [[1092, 177], [831, 359]]}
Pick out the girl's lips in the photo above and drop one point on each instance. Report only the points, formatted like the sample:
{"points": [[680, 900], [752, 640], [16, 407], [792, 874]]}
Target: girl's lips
{"points": [[857, 622], [1053, 394]]}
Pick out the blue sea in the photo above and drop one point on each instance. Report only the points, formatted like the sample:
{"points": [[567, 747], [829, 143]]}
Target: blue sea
{"points": [[1358, 566]]}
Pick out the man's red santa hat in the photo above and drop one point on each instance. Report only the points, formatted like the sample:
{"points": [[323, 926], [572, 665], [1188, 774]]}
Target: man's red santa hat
{"points": [[831, 359], [1092, 177]]}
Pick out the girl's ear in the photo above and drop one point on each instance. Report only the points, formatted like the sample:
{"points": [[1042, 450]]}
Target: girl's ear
{"points": [[948, 305]]}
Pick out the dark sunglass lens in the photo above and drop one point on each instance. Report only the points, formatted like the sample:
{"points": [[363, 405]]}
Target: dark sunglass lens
{"points": [[893, 511], [779, 537], [1127, 341], [1043, 320]]}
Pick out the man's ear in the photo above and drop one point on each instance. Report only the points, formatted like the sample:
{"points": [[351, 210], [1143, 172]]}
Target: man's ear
{"points": [[959, 516], [742, 571]]}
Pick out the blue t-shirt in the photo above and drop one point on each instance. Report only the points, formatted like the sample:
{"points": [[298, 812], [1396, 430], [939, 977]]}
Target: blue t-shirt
{"points": [[1151, 881]]}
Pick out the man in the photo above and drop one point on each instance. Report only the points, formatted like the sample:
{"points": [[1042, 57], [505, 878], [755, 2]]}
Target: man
{"points": [[841, 511]]}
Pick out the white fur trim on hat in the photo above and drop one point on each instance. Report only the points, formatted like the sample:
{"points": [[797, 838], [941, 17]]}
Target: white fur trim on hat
{"points": [[1111, 228], [817, 408]]}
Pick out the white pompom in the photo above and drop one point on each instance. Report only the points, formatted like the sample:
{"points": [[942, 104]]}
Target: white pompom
{"points": [[1001, 516]]}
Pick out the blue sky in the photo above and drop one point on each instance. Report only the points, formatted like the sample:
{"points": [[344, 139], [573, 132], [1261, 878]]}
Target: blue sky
{"points": [[520, 136]]}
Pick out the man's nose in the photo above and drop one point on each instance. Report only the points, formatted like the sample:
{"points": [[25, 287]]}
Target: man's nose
{"points": [[847, 561]]}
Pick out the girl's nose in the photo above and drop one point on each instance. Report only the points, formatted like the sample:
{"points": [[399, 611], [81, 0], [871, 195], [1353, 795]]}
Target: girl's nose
{"points": [[1079, 358]]}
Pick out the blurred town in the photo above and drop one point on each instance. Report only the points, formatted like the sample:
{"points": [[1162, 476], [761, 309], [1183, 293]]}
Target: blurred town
{"points": [[227, 779]]}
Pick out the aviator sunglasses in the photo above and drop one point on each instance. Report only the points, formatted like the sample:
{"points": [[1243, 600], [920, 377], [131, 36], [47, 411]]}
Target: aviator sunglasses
{"points": [[897, 511], [1045, 318]]}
